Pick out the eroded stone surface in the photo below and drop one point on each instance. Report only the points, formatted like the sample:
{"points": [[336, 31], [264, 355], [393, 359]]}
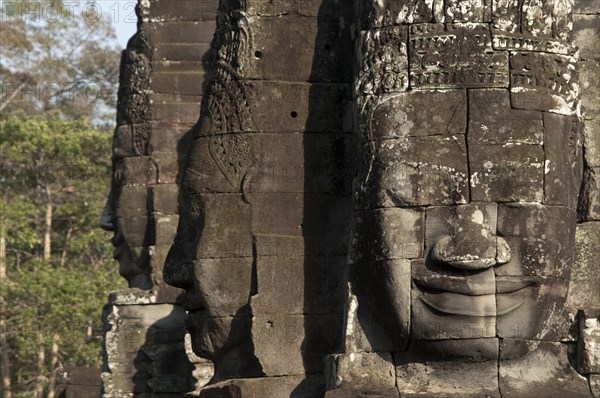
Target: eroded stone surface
{"points": [[539, 372]]}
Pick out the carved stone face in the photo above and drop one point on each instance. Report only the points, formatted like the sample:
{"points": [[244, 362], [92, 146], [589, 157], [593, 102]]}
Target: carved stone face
{"points": [[126, 210], [472, 232], [212, 259]]}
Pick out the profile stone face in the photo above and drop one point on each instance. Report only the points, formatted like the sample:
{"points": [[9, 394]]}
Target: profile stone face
{"points": [[265, 192]]}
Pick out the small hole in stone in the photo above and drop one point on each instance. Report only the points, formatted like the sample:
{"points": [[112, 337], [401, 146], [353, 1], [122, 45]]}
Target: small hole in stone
{"points": [[294, 114], [258, 54], [327, 47]]}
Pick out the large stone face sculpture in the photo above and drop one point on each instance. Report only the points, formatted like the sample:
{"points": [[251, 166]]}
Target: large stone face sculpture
{"points": [[260, 244], [465, 202]]}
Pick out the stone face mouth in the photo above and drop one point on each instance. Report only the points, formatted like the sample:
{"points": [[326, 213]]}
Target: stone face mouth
{"points": [[456, 296]]}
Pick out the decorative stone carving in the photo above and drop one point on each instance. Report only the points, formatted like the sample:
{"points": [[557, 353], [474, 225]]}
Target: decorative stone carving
{"points": [[455, 56]]}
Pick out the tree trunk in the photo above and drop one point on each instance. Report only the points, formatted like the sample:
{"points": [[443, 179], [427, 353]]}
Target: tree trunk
{"points": [[48, 231], [53, 366], [12, 96], [63, 256], [4, 348], [38, 392]]}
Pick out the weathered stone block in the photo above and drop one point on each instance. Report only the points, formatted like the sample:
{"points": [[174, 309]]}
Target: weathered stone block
{"points": [[543, 81], [384, 234], [455, 56], [562, 178], [294, 277], [185, 83], [320, 47], [492, 121], [180, 51], [595, 385], [586, 31], [586, 7], [382, 320], [181, 32], [183, 109], [187, 10], [297, 214], [261, 387], [589, 82], [164, 198], [297, 107], [311, 336], [137, 230], [415, 172], [164, 135], [306, 8], [165, 227], [132, 202], [410, 114], [164, 293], [501, 173], [221, 294], [320, 163], [135, 171], [591, 142], [225, 228], [130, 345], [589, 199], [535, 248], [532, 308], [584, 287], [543, 361], [360, 371], [588, 344], [169, 166], [418, 377]]}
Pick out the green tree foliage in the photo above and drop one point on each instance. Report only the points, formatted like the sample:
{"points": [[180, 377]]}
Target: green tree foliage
{"points": [[57, 56], [60, 167], [59, 68]]}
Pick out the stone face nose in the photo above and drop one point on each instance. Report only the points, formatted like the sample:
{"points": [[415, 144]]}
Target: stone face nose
{"points": [[469, 256], [469, 240]]}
